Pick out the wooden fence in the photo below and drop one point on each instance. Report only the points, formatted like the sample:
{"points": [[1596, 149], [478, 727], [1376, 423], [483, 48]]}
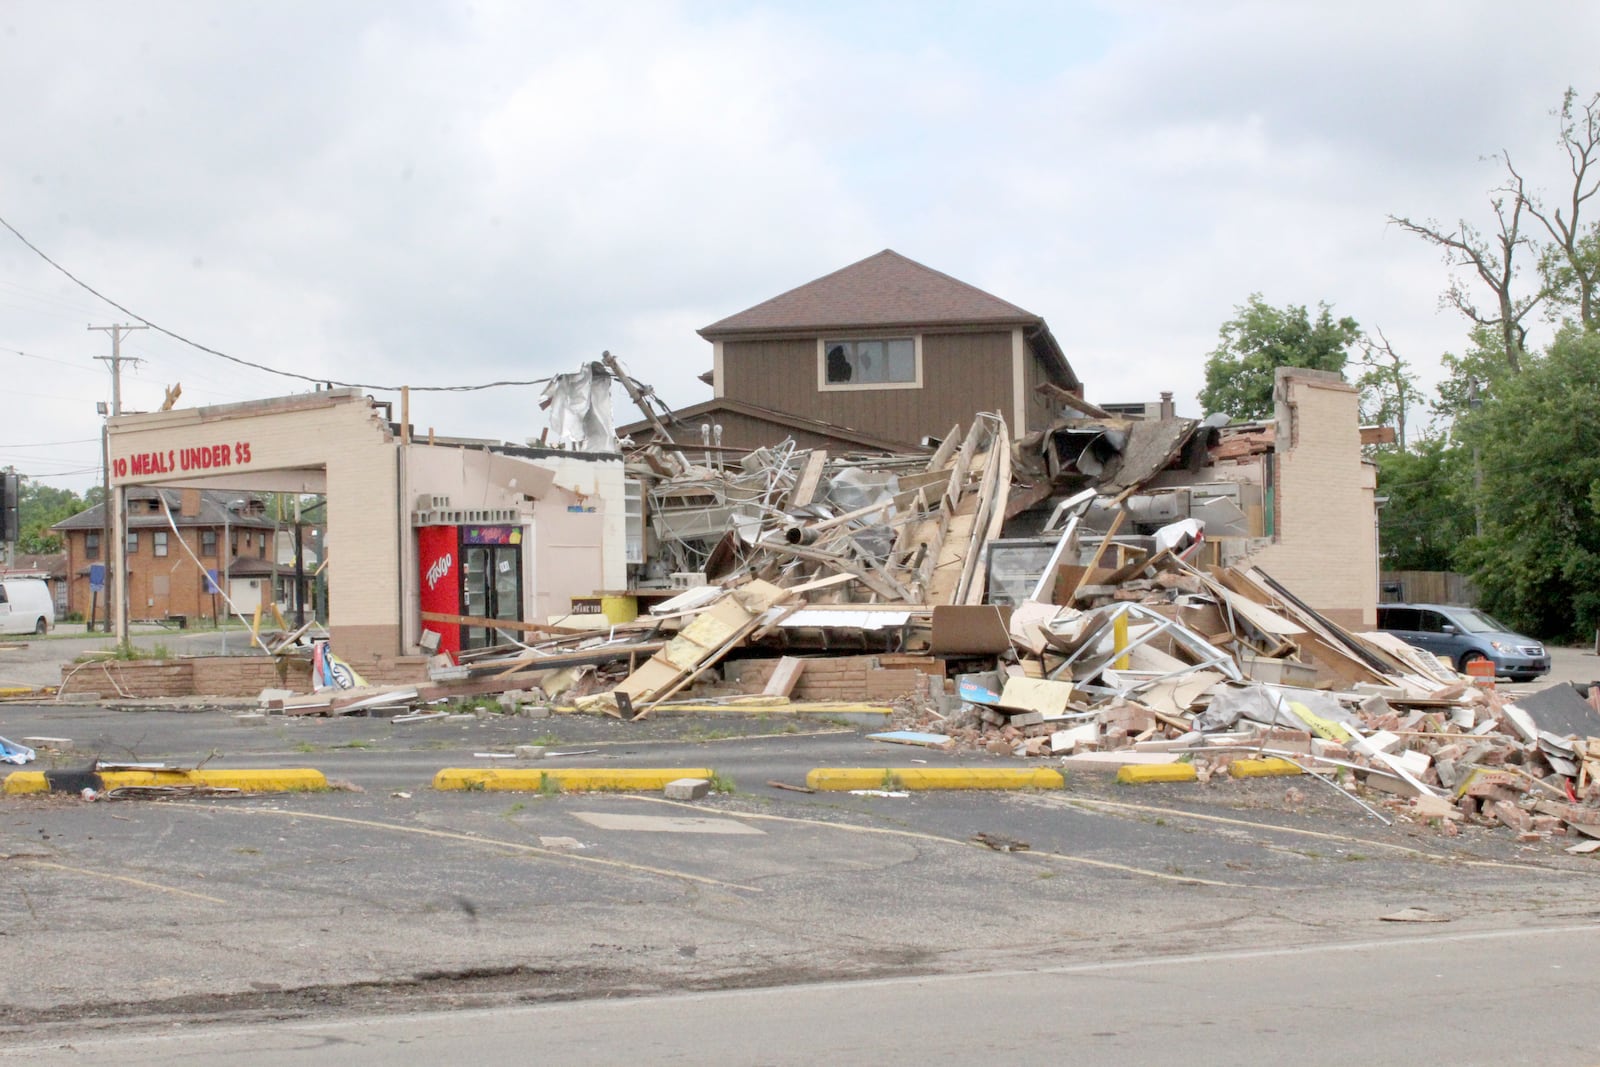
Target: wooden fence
{"points": [[1426, 587]]}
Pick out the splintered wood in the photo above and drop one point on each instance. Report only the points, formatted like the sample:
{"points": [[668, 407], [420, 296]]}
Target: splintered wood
{"points": [[707, 637]]}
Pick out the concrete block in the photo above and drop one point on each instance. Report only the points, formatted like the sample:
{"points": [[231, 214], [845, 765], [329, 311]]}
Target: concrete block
{"points": [[528, 752], [688, 789]]}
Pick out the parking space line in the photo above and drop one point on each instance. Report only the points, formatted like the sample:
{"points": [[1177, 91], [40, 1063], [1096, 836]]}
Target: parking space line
{"points": [[123, 878], [915, 835], [491, 842]]}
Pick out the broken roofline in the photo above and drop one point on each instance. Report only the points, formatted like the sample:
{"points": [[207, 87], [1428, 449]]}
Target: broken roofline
{"points": [[683, 417]]}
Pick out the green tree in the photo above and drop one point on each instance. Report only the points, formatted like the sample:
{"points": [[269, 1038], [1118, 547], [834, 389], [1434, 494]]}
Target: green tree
{"points": [[1261, 338], [1426, 515], [40, 507], [1537, 562]]}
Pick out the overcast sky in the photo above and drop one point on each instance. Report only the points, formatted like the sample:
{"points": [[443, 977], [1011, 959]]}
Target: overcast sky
{"points": [[448, 193]]}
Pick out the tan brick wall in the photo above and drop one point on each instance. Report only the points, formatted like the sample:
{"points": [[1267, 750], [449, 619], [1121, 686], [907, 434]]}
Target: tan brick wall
{"points": [[220, 676], [881, 677], [1326, 546]]}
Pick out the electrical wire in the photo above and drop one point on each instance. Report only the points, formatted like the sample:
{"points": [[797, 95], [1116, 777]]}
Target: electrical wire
{"points": [[46, 359], [315, 379]]}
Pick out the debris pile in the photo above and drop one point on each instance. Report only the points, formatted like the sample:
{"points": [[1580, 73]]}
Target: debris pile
{"points": [[1083, 595]]}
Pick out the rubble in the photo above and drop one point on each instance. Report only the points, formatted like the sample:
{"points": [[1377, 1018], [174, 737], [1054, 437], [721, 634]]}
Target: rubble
{"points": [[1081, 596]]}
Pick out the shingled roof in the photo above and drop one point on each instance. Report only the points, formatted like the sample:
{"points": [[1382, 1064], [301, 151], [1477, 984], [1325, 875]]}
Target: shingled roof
{"points": [[882, 291], [889, 291]]}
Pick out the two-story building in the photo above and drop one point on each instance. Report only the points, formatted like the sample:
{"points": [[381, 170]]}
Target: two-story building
{"points": [[877, 355], [183, 547]]}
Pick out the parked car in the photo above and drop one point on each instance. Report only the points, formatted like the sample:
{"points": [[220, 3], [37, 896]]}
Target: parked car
{"points": [[25, 606], [1464, 635]]}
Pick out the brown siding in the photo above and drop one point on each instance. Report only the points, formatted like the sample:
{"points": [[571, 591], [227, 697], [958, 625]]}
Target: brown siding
{"points": [[743, 433], [962, 374], [1041, 409]]}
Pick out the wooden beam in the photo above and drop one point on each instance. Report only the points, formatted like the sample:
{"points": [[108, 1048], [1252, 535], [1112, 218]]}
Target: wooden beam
{"points": [[1074, 401], [810, 477]]}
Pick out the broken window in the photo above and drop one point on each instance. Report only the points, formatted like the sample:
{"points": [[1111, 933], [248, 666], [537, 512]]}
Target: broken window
{"points": [[883, 361]]}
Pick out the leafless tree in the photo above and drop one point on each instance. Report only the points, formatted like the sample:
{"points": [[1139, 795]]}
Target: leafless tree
{"points": [[1493, 259], [1571, 263], [1388, 388]]}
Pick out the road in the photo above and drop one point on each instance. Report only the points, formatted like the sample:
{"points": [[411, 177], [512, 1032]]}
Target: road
{"points": [[1396, 999]]}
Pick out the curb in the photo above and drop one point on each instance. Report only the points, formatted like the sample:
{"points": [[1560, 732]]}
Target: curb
{"points": [[282, 780], [1144, 773], [838, 779], [567, 779], [1264, 768]]}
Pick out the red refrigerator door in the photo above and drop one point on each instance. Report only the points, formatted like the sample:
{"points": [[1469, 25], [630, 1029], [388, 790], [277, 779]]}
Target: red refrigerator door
{"points": [[439, 557]]}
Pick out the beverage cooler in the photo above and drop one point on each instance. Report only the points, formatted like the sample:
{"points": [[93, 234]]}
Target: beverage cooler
{"points": [[473, 572]]}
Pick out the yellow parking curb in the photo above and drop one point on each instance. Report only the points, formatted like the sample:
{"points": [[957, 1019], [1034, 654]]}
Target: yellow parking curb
{"points": [[280, 780], [1269, 767], [567, 779], [1143, 773], [837, 779]]}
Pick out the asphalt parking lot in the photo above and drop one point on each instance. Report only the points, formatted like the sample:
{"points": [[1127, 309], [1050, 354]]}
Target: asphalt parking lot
{"points": [[387, 894]]}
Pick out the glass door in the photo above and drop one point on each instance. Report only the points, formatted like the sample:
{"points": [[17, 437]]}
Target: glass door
{"points": [[491, 589]]}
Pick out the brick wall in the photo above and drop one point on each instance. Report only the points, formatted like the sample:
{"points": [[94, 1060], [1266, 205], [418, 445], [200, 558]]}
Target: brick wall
{"points": [[218, 676], [846, 678], [1326, 546]]}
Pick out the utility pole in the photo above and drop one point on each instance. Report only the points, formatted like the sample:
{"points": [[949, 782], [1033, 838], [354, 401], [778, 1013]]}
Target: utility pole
{"points": [[117, 550]]}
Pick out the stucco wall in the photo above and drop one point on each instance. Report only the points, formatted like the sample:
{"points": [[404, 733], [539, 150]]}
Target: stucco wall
{"points": [[570, 509]]}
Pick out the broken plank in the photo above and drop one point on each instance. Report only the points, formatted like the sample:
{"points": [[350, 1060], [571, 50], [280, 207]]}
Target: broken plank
{"points": [[784, 677]]}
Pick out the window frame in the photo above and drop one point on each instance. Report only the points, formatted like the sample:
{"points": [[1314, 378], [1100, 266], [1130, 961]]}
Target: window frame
{"points": [[158, 543], [91, 545], [826, 342], [211, 535], [131, 543]]}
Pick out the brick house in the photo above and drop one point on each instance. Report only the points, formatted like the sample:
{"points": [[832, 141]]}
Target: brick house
{"points": [[880, 353], [229, 533]]}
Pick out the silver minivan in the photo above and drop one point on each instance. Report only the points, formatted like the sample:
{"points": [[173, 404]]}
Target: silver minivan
{"points": [[1463, 635]]}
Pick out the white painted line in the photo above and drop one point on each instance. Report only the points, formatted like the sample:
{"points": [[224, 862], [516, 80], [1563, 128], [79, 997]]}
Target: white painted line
{"points": [[665, 824]]}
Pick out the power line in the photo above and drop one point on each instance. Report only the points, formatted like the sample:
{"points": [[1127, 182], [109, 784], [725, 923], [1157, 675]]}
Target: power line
{"points": [[52, 444], [315, 379], [46, 359]]}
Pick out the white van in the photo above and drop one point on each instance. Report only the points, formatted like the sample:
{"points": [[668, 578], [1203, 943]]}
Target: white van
{"points": [[25, 606]]}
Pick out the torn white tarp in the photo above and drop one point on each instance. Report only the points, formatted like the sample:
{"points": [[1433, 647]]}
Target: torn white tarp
{"points": [[580, 410], [11, 752]]}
